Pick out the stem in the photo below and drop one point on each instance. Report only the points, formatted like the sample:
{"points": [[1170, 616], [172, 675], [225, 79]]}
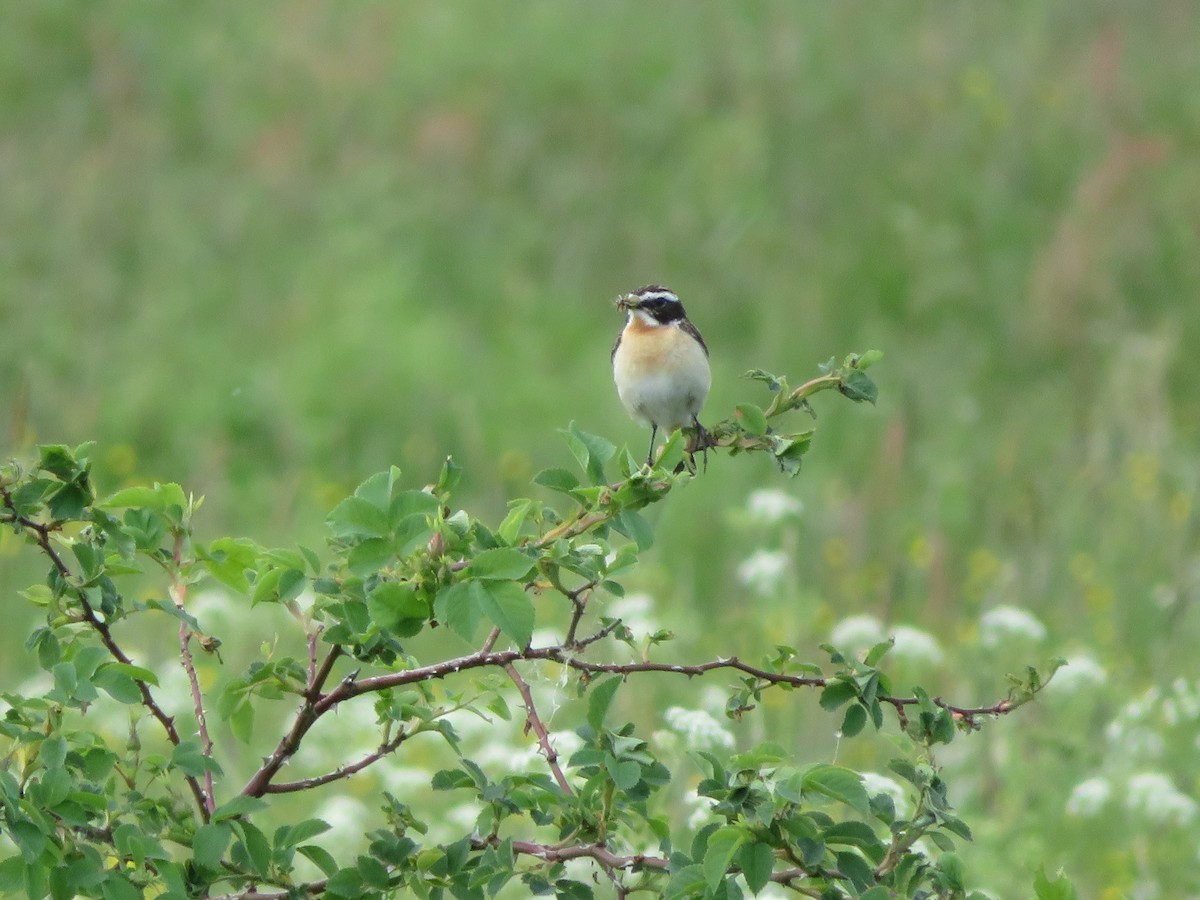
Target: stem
{"points": [[534, 721], [341, 771]]}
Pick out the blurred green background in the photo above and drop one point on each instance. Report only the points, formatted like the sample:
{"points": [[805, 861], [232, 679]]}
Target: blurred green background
{"points": [[266, 249]]}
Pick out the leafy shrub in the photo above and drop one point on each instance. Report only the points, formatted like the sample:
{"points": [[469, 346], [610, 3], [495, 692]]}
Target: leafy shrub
{"points": [[165, 812]]}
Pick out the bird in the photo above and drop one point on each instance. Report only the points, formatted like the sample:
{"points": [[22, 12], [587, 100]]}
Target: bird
{"points": [[660, 365]]}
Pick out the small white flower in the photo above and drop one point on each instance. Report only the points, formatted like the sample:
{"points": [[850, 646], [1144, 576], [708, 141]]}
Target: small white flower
{"points": [[1080, 673], [700, 730], [1089, 797], [636, 612], [856, 633], [771, 506], [916, 645], [1004, 622], [1152, 795], [882, 784], [763, 571]]}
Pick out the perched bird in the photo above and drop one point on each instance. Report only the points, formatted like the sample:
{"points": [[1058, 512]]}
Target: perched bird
{"points": [[660, 365]]}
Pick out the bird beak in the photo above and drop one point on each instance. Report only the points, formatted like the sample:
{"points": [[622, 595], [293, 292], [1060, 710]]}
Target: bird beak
{"points": [[628, 301]]}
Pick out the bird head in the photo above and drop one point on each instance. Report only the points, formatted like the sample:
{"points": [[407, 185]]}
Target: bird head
{"points": [[655, 303]]}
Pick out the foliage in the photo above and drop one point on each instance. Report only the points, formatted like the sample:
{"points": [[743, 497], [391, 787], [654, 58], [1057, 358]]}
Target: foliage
{"points": [[90, 816]]}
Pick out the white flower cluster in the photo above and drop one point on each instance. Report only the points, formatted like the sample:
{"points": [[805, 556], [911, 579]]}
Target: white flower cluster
{"points": [[771, 506], [1003, 623], [698, 729], [763, 570], [1089, 797], [1131, 733], [1152, 795], [1182, 704], [916, 645], [1081, 673], [856, 634]]}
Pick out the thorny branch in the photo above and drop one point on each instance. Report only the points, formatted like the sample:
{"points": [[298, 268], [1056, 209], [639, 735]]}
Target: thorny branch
{"points": [[42, 537], [534, 721]]}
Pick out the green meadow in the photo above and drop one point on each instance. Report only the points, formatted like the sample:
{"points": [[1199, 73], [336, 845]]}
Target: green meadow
{"points": [[267, 249]]}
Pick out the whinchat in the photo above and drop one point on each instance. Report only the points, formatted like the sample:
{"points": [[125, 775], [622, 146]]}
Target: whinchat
{"points": [[660, 365]]}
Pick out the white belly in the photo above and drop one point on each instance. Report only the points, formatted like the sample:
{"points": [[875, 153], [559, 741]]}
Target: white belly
{"points": [[662, 382]]}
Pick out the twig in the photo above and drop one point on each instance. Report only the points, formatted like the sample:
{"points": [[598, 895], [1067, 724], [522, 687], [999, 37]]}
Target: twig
{"points": [[340, 772], [314, 706], [579, 600], [178, 591], [534, 721], [490, 641]]}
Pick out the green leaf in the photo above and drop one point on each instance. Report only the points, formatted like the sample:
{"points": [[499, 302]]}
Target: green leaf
{"points": [[321, 858], [836, 693], [635, 527], [687, 882], [117, 684], [723, 845], [397, 607], [189, 758], [139, 496], [460, 606], [52, 752], [290, 835], [600, 698], [752, 418], [501, 563], [253, 851], [859, 387], [877, 652], [1058, 889], [449, 477], [238, 806], [370, 555], [69, 501], [118, 887], [356, 517], [559, 480], [518, 512], [411, 503], [869, 359], [772, 382], [591, 451], [757, 862], [58, 460], [208, 846], [510, 609], [228, 559], [840, 784], [953, 870], [854, 720]]}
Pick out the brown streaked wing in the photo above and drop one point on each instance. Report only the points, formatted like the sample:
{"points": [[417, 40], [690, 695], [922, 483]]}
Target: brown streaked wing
{"points": [[689, 328]]}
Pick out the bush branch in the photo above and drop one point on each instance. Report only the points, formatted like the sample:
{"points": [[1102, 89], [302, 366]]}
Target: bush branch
{"points": [[534, 721]]}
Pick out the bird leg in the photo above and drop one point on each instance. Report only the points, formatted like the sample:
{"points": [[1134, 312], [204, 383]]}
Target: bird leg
{"points": [[701, 441], [650, 455]]}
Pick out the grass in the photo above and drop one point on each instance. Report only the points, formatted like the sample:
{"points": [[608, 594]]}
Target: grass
{"points": [[266, 249]]}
